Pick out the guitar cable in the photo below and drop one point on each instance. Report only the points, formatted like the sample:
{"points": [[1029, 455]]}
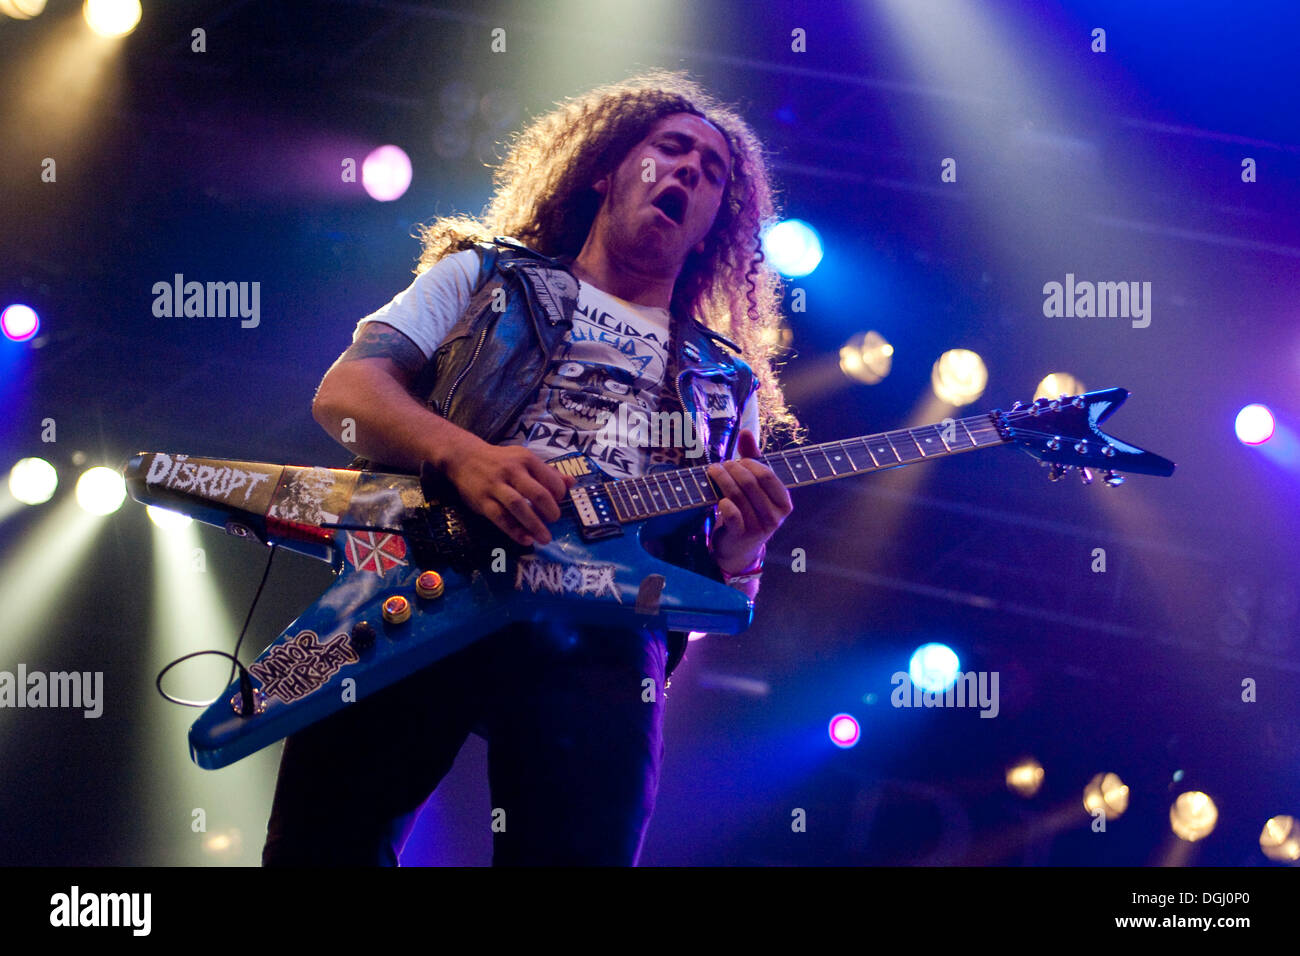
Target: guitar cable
{"points": [[245, 681]]}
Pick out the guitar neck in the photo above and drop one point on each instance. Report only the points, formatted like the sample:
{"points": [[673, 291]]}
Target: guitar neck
{"points": [[686, 488]]}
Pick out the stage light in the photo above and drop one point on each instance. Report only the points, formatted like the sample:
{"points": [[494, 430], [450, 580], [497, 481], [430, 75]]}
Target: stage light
{"points": [[1058, 384], [22, 9], [19, 322], [793, 248], [844, 731], [33, 480], [933, 667], [959, 377], [167, 520], [1025, 777], [101, 490], [1106, 792], [1280, 839], [224, 844], [1193, 816], [112, 18], [867, 357], [1254, 425], [386, 173]]}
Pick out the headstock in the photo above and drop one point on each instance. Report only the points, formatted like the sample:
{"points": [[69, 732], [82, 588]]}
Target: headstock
{"points": [[1064, 433]]}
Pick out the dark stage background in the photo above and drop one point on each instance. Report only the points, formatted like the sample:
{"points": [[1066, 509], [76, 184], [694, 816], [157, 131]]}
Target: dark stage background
{"points": [[1120, 165]]}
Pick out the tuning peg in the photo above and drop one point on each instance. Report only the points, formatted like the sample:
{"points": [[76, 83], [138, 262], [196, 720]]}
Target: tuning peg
{"points": [[1058, 472], [1085, 475], [1111, 479]]}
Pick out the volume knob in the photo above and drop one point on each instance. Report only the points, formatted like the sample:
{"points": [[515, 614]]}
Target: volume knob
{"points": [[429, 585], [397, 610]]}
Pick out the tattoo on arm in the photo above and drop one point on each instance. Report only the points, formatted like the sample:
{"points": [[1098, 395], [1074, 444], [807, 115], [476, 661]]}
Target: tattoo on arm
{"points": [[378, 340]]}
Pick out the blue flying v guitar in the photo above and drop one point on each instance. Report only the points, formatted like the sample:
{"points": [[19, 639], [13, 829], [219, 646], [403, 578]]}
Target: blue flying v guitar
{"points": [[418, 576]]}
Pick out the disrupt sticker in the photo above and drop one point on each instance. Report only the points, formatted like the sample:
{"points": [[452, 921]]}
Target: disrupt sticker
{"points": [[219, 483], [302, 665]]}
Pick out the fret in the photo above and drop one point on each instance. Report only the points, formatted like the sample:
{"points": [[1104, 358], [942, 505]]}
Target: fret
{"points": [[800, 470], [680, 489], [956, 439], [656, 494], [929, 440], [985, 433], [905, 445], [838, 458], [778, 463], [636, 493], [965, 423], [665, 485], [635, 501], [705, 489], [617, 494], [882, 452], [823, 459], [848, 455]]}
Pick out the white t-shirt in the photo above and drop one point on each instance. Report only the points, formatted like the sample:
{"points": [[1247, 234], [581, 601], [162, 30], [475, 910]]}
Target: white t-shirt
{"points": [[598, 396]]}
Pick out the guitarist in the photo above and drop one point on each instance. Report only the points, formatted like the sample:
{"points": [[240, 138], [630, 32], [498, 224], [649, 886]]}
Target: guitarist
{"points": [[634, 214]]}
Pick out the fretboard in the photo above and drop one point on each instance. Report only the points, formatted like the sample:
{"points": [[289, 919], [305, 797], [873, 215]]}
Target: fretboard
{"points": [[685, 488]]}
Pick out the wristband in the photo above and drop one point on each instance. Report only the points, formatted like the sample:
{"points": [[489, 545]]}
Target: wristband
{"points": [[748, 574]]}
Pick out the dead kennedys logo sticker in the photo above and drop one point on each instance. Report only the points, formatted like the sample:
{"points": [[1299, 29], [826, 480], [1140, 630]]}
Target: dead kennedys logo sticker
{"points": [[375, 551], [301, 665]]}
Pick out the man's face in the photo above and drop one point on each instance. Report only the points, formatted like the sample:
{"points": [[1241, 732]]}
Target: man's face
{"points": [[665, 195]]}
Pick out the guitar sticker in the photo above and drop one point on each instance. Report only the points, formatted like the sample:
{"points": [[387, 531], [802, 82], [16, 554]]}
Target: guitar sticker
{"points": [[301, 665], [584, 580], [376, 551]]}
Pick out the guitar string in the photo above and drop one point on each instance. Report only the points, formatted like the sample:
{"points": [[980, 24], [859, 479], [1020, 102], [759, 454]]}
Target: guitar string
{"points": [[975, 425]]}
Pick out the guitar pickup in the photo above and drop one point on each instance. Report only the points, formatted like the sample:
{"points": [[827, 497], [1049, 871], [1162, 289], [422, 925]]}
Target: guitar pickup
{"points": [[596, 518]]}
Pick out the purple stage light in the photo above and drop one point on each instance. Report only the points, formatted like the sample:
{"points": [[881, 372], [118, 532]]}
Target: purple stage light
{"points": [[844, 731], [1254, 425], [19, 322], [386, 173]]}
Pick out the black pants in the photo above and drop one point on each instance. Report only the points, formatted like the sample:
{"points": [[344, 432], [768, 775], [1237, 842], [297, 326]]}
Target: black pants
{"points": [[575, 743]]}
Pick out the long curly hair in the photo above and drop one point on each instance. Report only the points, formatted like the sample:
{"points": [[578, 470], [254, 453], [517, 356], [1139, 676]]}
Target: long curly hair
{"points": [[543, 197]]}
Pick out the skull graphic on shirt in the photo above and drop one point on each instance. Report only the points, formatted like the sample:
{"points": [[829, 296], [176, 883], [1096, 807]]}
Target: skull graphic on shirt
{"points": [[583, 395]]}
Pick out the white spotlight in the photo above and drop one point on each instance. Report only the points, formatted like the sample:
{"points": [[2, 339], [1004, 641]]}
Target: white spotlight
{"points": [[33, 480], [100, 490]]}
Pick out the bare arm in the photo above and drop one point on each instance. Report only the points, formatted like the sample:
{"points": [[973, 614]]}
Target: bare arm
{"points": [[365, 397]]}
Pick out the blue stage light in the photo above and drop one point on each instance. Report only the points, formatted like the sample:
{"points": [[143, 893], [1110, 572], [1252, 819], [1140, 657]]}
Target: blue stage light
{"points": [[933, 667], [793, 248], [19, 322]]}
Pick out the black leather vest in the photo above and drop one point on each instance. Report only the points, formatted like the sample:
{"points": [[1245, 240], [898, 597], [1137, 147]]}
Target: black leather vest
{"points": [[492, 362]]}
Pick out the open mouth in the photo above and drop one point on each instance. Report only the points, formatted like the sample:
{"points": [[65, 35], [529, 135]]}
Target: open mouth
{"points": [[672, 203]]}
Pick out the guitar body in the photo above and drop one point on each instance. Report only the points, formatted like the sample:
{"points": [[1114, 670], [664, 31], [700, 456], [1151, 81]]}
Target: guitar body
{"points": [[377, 624]]}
